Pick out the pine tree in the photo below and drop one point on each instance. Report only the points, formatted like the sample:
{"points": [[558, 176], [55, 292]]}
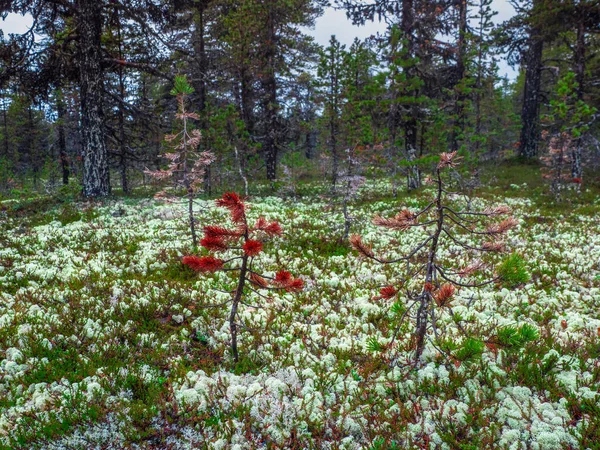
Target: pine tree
{"points": [[74, 39], [412, 47], [248, 240], [330, 73], [187, 166], [433, 293]]}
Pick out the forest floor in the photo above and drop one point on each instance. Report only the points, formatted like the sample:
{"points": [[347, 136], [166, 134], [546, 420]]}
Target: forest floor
{"points": [[107, 340]]}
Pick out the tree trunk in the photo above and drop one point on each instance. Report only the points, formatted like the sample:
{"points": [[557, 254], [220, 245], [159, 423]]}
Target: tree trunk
{"points": [[410, 142], [122, 146], [245, 91], [5, 125], [62, 142], [199, 83], [478, 81], [393, 148], [333, 117], [333, 146], [459, 109], [246, 105], [270, 99], [576, 168], [410, 124], [234, 307], [31, 147], [530, 113], [95, 159], [311, 134], [201, 60], [424, 312], [311, 144]]}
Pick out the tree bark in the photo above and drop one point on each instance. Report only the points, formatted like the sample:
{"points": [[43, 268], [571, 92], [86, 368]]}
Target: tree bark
{"points": [[121, 116], [478, 86], [410, 142], [201, 60], [424, 312], [270, 99], [576, 168], [410, 124], [246, 103], [95, 158], [31, 147], [311, 144], [62, 142], [334, 63], [459, 109], [530, 114], [199, 83], [234, 306], [5, 125]]}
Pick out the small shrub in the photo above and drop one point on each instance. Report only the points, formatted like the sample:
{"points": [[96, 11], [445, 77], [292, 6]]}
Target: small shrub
{"points": [[187, 166], [445, 224], [249, 241]]}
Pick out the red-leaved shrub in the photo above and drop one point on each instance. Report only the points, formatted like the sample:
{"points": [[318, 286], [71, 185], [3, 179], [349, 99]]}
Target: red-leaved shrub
{"points": [[248, 241]]}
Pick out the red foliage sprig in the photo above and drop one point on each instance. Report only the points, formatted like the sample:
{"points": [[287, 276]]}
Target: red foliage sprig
{"points": [[236, 207], [203, 264], [386, 293], [252, 247]]}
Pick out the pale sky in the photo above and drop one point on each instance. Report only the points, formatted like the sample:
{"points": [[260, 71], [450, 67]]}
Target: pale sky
{"points": [[332, 22]]}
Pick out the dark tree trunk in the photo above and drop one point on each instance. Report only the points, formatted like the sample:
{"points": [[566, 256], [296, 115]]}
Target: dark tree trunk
{"points": [[271, 139], [62, 142], [199, 83], [123, 147], [333, 118], [5, 123], [244, 90], [201, 59], [311, 133], [459, 109], [31, 147], [234, 307], [5, 126], [270, 100], [334, 152], [423, 313], [95, 159], [393, 148], [576, 168], [311, 144], [246, 105], [410, 143], [478, 81], [410, 124], [121, 116], [478, 104], [530, 114]]}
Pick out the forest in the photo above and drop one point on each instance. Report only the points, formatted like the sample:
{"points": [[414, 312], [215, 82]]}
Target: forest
{"points": [[218, 233]]}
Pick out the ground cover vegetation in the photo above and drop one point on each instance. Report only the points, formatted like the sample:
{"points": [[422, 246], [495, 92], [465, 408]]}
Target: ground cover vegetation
{"points": [[110, 340], [217, 233]]}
